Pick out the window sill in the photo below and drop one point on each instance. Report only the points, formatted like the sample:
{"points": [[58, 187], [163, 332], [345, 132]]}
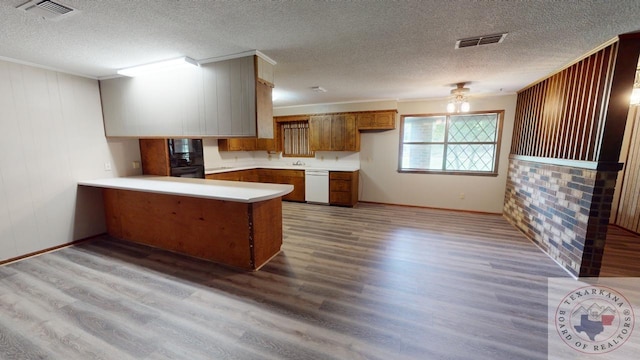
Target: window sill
{"points": [[440, 172]]}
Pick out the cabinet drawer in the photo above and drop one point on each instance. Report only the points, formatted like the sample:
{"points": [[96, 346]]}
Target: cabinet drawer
{"points": [[340, 198], [291, 173], [340, 175]]}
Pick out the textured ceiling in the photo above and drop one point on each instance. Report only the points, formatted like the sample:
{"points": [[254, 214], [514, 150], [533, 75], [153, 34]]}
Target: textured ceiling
{"points": [[357, 50]]}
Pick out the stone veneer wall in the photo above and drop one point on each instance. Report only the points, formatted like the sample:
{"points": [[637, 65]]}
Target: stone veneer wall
{"points": [[565, 210]]}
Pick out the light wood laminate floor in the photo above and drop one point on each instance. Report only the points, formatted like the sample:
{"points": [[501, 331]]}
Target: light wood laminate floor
{"points": [[373, 282], [621, 253]]}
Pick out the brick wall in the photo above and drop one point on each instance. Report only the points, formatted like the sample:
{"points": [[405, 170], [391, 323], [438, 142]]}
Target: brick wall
{"points": [[565, 210]]}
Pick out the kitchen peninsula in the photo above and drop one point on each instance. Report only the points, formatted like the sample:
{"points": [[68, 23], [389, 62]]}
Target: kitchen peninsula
{"points": [[233, 223]]}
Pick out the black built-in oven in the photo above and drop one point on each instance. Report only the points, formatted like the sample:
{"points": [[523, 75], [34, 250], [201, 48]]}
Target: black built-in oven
{"points": [[186, 158]]}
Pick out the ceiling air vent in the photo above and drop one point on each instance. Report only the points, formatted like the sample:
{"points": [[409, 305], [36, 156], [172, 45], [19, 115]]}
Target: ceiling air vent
{"points": [[480, 40], [47, 9]]}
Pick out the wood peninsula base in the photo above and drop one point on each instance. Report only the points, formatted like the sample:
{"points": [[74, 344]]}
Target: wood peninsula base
{"points": [[238, 234]]}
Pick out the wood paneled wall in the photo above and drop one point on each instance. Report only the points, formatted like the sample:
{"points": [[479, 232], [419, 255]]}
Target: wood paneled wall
{"points": [[52, 136], [628, 215], [563, 116]]}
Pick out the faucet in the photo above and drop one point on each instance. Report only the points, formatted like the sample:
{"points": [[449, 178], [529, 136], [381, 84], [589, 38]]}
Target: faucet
{"points": [[300, 163]]}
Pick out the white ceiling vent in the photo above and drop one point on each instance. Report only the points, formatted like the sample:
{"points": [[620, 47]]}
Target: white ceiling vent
{"points": [[47, 9], [480, 40]]}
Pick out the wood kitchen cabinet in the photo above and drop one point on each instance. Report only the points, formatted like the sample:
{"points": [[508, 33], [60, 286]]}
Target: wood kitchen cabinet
{"points": [[377, 120], [251, 144], [154, 154], [237, 144], [344, 134], [268, 144], [227, 175], [273, 176], [320, 133], [336, 132], [247, 144], [343, 188], [291, 177], [264, 109], [249, 175]]}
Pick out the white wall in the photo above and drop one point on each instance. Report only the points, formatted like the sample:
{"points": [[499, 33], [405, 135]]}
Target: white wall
{"points": [[52, 136], [338, 107], [380, 180]]}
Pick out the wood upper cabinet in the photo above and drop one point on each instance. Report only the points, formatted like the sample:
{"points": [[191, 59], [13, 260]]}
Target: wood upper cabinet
{"points": [[250, 144], [264, 109], [267, 144], [154, 154], [237, 144], [343, 188], [377, 120], [320, 133], [344, 134], [333, 133]]}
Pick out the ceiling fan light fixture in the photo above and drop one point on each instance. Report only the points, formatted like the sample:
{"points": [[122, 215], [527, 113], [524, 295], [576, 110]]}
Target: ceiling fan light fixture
{"points": [[458, 101], [451, 106], [465, 107]]}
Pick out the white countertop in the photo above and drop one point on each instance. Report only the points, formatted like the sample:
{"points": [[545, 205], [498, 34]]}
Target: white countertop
{"points": [[237, 191], [278, 167]]}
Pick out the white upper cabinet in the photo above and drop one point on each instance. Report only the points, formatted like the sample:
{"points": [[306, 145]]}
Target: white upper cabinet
{"points": [[265, 71], [216, 99], [230, 97], [162, 104]]}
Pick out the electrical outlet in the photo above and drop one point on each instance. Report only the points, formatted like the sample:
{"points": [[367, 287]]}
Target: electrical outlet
{"points": [[336, 158], [461, 196], [136, 164], [321, 158], [107, 166]]}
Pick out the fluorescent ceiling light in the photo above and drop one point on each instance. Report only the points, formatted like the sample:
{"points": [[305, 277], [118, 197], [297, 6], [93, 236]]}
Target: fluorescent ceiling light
{"points": [[158, 66]]}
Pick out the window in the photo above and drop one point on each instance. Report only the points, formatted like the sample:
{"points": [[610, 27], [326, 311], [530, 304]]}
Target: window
{"points": [[453, 144], [295, 139]]}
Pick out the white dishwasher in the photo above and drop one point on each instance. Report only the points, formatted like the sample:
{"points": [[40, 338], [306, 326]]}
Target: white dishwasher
{"points": [[316, 186]]}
